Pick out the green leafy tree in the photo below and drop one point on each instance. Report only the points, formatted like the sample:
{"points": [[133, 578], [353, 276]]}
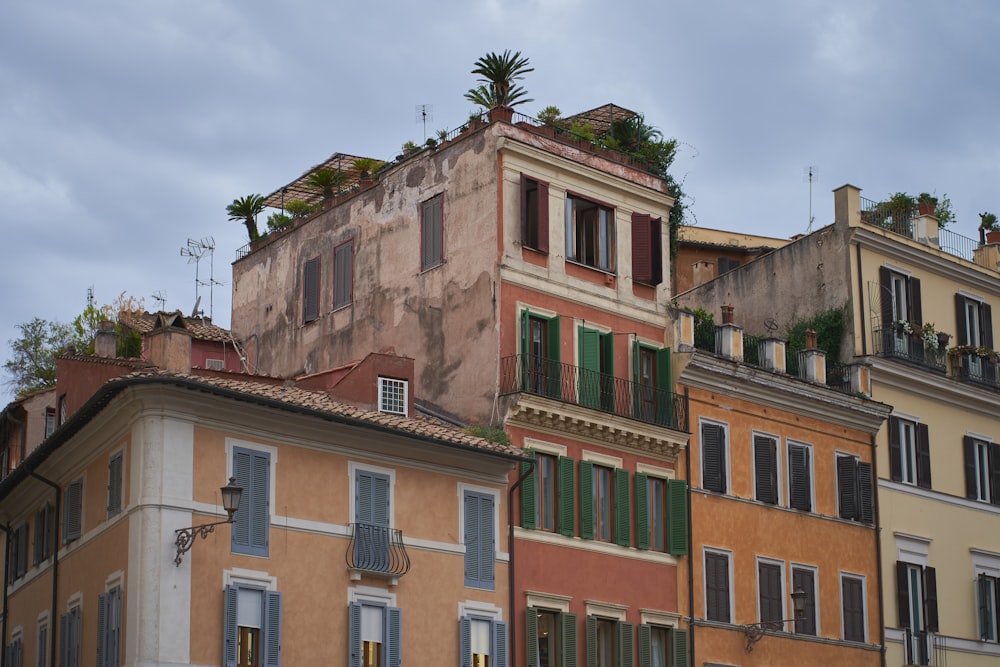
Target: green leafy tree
{"points": [[497, 74], [32, 365], [245, 210]]}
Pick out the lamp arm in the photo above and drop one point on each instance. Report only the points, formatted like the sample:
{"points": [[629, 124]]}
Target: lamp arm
{"points": [[186, 537]]}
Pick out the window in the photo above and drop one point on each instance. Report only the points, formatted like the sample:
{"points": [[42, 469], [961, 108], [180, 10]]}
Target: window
{"points": [[982, 470], [660, 514], [804, 579], [45, 526], [550, 638], [343, 274], [50, 421], [765, 462], [63, 412], [43, 644], [310, 290], [717, 600], [975, 329], [597, 369], [800, 477], [69, 638], [713, 457], [73, 511], [853, 603], [547, 500], [660, 646], [916, 598], [109, 624], [647, 249], [252, 626], [252, 521], [372, 514], [590, 233], [987, 589], [483, 642], [541, 372], [652, 376], [900, 302], [215, 364], [769, 594], [375, 635], [392, 396], [909, 452], [18, 552], [609, 642], [727, 264], [604, 503], [115, 484], [15, 653], [854, 489], [480, 543], [431, 233], [534, 214]]}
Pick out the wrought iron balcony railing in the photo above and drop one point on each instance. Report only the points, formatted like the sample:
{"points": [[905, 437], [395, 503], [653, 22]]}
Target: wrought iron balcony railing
{"points": [[971, 367], [579, 386], [899, 345], [377, 549]]}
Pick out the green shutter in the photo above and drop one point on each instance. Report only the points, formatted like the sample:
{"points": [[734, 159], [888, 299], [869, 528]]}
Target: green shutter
{"points": [[623, 518], [529, 507], [665, 388], [525, 353], [589, 343], [555, 368], [641, 512], [569, 641], [567, 500], [625, 652], [645, 646], [586, 500], [531, 636], [591, 642], [608, 372], [677, 516], [678, 648]]}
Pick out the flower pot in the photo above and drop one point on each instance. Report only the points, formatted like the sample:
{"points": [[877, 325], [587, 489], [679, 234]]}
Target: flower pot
{"points": [[926, 208], [506, 114], [943, 340], [993, 237]]}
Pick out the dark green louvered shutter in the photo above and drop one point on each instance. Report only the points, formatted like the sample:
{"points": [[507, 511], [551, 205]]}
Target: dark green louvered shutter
{"points": [[394, 648], [590, 367], [677, 493], [531, 636], [678, 648], [641, 511], [623, 518], [555, 367], [529, 491], [569, 641], [229, 634], [586, 500], [353, 635], [272, 629], [591, 641], [665, 388], [645, 646], [567, 499], [626, 633]]}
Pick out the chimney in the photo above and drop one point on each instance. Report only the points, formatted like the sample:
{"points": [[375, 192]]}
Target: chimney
{"points": [[170, 348], [812, 361], [702, 271], [774, 354], [729, 336], [685, 331], [106, 340]]}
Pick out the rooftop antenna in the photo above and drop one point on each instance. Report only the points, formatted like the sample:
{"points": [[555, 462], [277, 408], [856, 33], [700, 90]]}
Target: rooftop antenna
{"points": [[194, 251], [161, 299], [811, 174], [90, 297], [425, 112]]}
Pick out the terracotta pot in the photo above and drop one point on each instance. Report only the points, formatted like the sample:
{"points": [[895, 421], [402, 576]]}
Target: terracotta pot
{"points": [[993, 237], [506, 114], [926, 209]]}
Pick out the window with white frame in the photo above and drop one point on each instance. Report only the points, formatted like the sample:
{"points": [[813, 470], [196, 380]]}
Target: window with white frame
{"points": [[109, 624], [800, 485], [15, 650], [766, 473], [982, 469], [718, 597], [590, 233], [42, 644], [252, 626], [909, 452], [482, 639], [770, 592], [392, 396], [374, 629]]}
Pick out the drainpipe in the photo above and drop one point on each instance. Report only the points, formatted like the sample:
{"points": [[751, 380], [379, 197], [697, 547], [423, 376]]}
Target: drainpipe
{"points": [[55, 570], [6, 578], [512, 623], [687, 473], [878, 554]]}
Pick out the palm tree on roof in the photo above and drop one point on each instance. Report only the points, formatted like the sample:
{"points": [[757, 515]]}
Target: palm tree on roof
{"points": [[497, 73], [245, 210], [326, 180]]}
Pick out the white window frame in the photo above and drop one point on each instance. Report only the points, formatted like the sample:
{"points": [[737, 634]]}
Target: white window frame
{"points": [[981, 444], [907, 449], [732, 590], [864, 602], [383, 395], [781, 574]]}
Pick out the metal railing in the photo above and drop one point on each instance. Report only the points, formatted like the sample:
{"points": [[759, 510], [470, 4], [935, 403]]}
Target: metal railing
{"points": [[971, 367], [377, 549], [579, 386], [918, 647], [899, 345]]}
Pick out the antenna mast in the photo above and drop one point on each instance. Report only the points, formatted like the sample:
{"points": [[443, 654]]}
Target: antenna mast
{"points": [[194, 251], [425, 112], [811, 174]]}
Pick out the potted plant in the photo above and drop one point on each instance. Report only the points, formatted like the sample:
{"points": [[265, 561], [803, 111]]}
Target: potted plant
{"points": [[926, 204], [366, 166], [989, 225], [328, 181], [298, 208], [497, 90]]}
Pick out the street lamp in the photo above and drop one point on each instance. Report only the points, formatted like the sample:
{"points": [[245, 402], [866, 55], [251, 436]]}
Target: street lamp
{"points": [[231, 495], [755, 631]]}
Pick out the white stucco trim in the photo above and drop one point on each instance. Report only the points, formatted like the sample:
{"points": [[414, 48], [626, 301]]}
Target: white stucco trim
{"points": [[545, 447], [897, 269], [371, 594], [601, 459], [668, 619], [253, 578], [541, 600], [864, 600], [74, 600], [352, 468], [477, 608], [912, 548], [928, 494], [655, 471], [594, 546], [116, 578], [606, 609]]}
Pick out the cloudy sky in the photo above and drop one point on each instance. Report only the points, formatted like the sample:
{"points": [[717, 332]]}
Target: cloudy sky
{"points": [[127, 127]]}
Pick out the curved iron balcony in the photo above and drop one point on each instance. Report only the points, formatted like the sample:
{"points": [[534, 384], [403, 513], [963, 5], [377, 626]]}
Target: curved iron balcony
{"points": [[377, 549]]}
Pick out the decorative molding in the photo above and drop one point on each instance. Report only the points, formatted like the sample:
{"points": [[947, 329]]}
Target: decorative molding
{"points": [[607, 548], [928, 494]]}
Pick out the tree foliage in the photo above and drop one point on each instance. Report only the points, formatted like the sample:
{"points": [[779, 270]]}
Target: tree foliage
{"points": [[245, 210], [32, 365], [497, 74]]}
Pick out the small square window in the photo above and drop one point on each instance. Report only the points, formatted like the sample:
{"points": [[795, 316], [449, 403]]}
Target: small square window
{"points": [[392, 397]]}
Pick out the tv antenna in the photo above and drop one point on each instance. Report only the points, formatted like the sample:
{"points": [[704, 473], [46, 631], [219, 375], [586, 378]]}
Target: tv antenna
{"points": [[195, 251], [810, 174], [161, 299], [90, 297], [425, 112]]}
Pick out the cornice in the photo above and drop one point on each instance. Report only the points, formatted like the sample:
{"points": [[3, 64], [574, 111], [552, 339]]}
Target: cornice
{"points": [[595, 427], [943, 389], [756, 385]]}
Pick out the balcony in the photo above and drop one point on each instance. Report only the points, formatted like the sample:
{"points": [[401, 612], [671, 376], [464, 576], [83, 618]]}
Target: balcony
{"points": [[891, 343], [977, 369], [376, 550], [607, 393]]}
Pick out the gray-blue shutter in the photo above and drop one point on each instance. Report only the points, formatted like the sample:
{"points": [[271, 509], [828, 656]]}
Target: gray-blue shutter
{"points": [[115, 626], [75, 634], [241, 519], [252, 470], [531, 636], [272, 629], [73, 519], [229, 630], [354, 635], [394, 634], [465, 641], [487, 548], [102, 630], [622, 511], [499, 644], [472, 545]]}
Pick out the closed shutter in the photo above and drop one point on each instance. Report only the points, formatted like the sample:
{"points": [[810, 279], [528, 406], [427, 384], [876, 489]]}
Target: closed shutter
{"points": [[847, 487], [272, 629], [641, 511], [432, 228], [623, 516], [713, 458], [854, 609], [717, 587], [902, 594], [75, 636], [800, 486], [590, 367], [645, 646], [343, 274], [986, 313], [353, 635], [229, 634], [566, 500], [531, 636], [499, 644], [678, 648], [102, 630], [64, 640], [930, 598], [664, 389], [479, 543], [394, 634], [923, 457], [115, 485], [72, 520], [769, 584], [994, 473], [677, 511], [586, 500], [626, 633], [529, 491], [764, 455], [805, 580], [310, 290], [554, 353], [253, 517], [371, 508], [866, 492], [895, 451], [568, 636], [642, 252], [39, 545]]}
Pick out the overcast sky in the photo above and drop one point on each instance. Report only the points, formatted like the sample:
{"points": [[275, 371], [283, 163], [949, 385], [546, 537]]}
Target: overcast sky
{"points": [[127, 127]]}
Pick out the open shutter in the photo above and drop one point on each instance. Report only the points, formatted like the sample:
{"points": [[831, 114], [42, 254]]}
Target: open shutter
{"points": [[677, 492], [923, 457], [472, 544], [102, 629], [969, 452], [915, 310], [626, 633], [72, 526], [764, 453], [930, 598], [591, 642], [645, 646], [586, 500], [529, 489], [353, 635], [995, 473], [230, 606], [847, 487], [664, 388], [531, 636], [487, 547], [961, 325], [986, 313], [866, 500], [678, 648], [39, 545], [641, 511], [394, 650], [902, 594], [555, 367], [569, 641], [983, 590], [623, 516], [543, 216], [895, 451], [272, 629], [499, 644], [64, 640], [465, 640], [642, 252], [566, 500], [885, 302]]}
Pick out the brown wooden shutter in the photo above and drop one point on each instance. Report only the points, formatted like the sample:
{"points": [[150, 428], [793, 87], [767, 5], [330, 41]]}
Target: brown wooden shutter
{"points": [[642, 253], [885, 294], [769, 582], [902, 594], [913, 296], [543, 216], [764, 454], [986, 313], [961, 330], [847, 487], [713, 454], [800, 487], [969, 450], [995, 473], [930, 598], [923, 457], [866, 493], [895, 451], [805, 580]]}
